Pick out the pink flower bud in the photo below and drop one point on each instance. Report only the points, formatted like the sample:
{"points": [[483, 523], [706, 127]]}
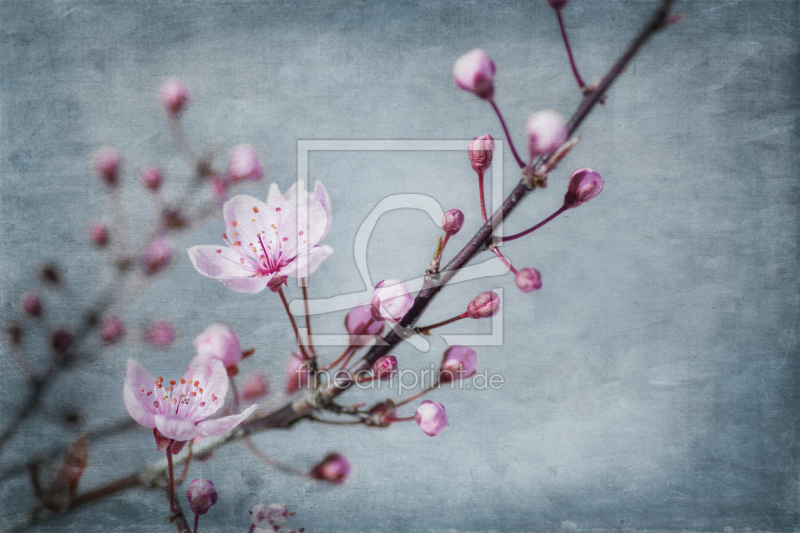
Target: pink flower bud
{"points": [[151, 177], [431, 418], [111, 330], [160, 334], [157, 255], [528, 280], [218, 341], [296, 374], [61, 341], [452, 221], [385, 368], [558, 5], [584, 184], [481, 152], [50, 274], [98, 232], [243, 164], [202, 495], [255, 388], [459, 362], [474, 72], [31, 304], [485, 305], [391, 301], [356, 319], [274, 513], [334, 469], [546, 131], [174, 97], [14, 333], [106, 165]]}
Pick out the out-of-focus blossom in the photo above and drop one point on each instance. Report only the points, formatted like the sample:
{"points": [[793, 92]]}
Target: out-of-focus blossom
{"points": [[157, 256], [50, 274], [431, 418], [474, 72], [243, 164], [546, 131], [385, 368], [106, 165], [356, 322], [98, 232], [181, 410], [334, 468], [31, 304], [459, 362], [174, 97], [584, 184], [202, 495], [255, 387], [151, 177], [264, 241], [274, 514], [528, 279], [296, 374], [481, 152], [111, 330], [218, 341], [391, 300], [61, 340], [160, 334], [452, 221], [485, 305], [558, 5]]}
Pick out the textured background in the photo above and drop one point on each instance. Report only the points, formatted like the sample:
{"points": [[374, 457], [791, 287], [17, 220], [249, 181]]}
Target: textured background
{"points": [[652, 382]]}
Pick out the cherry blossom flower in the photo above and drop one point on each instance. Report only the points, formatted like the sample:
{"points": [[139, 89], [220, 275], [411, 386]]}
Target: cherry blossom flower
{"points": [[180, 410], [391, 300], [335, 468], [265, 241], [362, 328], [546, 131], [431, 418], [459, 362]]}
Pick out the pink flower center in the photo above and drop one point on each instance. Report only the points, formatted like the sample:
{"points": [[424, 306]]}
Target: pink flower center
{"points": [[184, 397]]}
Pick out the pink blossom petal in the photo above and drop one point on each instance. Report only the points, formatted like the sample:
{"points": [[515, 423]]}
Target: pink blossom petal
{"points": [[220, 426], [218, 341], [250, 216], [222, 264], [275, 199], [176, 427], [213, 377], [306, 265], [252, 285], [322, 197], [134, 402]]}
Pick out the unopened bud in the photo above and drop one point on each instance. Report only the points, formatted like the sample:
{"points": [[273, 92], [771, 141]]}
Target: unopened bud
{"points": [[151, 177], [14, 333], [218, 341], [431, 418], [98, 232], [160, 334], [356, 324], [157, 255], [111, 330], [485, 305], [202, 495], [459, 362], [61, 341], [174, 97], [474, 72], [558, 5], [385, 368], [243, 164], [32, 305], [255, 388], [528, 279], [452, 221], [481, 152], [106, 165], [391, 301], [334, 469], [584, 184], [296, 374], [546, 131], [50, 274]]}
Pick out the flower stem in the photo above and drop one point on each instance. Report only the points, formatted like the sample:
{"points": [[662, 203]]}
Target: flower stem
{"points": [[294, 324], [420, 393], [196, 522], [483, 201], [186, 464], [508, 137], [504, 260], [426, 329], [304, 285], [534, 228], [171, 479], [581, 85]]}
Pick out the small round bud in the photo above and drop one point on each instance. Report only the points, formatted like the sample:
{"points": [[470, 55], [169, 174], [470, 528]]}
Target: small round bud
{"points": [[391, 301], [174, 97], [255, 388], [14, 333], [459, 362], [528, 279], [452, 221], [151, 177], [61, 341], [481, 152], [334, 469], [243, 164], [356, 319], [98, 232], [106, 165], [218, 341], [431, 418], [296, 374], [160, 334], [31, 304], [558, 5], [202, 495], [385, 368], [485, 305], [474, 72], [584, 184], [50, 274], [157, 256], [112, 330], [546, 131]]}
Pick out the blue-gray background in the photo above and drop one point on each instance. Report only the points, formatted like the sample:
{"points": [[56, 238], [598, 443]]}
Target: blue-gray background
{"points": [[652, 382]]}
